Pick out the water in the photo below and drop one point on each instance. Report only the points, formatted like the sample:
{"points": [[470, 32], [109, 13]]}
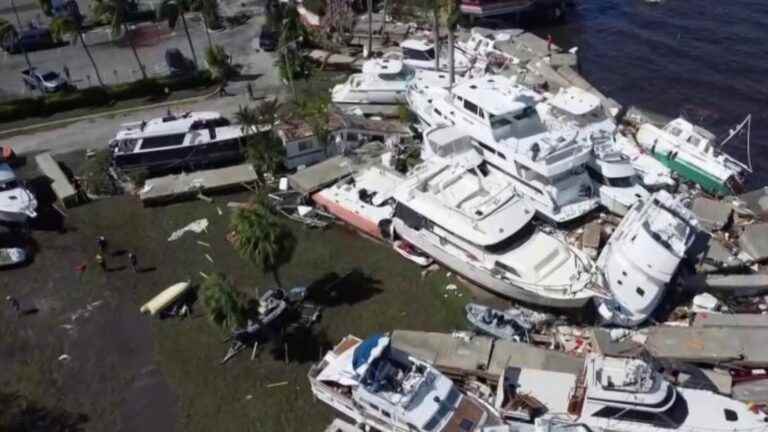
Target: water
{"points": [[704, 59]]}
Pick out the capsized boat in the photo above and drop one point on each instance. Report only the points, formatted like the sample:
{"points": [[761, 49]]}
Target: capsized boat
{"points": [[642, 256], [380, 386], [503, 325], [17, 203], [693, 153]]}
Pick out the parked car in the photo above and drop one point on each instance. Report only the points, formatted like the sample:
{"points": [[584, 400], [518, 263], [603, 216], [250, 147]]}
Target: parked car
{"points": [[49, 81], [30, 40], [268, 40]]}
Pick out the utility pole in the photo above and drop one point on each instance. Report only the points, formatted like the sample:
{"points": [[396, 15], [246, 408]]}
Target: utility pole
{"points": [[23, 48]]}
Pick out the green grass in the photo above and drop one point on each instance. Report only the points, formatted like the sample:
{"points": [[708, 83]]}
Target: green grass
{"points": [[114, 344]]}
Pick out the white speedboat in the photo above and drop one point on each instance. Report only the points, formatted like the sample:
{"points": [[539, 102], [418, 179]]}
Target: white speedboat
{"points": [[383, 81], [614, 176], [693, 153], [177, 141], [641, 257], [546, 166], [420, 54], [17, 203], [384, 388], [467, 214]]}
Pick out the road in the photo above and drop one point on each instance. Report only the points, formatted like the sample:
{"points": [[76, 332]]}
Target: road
{"points": [[117, 64]]}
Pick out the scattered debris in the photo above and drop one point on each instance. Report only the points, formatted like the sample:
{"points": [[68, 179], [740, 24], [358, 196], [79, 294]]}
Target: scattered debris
{"points": [[277, 384], [197, 226], [165, 298]]}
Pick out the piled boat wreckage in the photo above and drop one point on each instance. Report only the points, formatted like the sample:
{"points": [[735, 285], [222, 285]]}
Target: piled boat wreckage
{"points": [[632, 257]]}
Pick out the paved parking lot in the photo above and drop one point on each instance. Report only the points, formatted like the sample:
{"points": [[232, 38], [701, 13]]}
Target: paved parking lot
{"points": [[116, 62]]}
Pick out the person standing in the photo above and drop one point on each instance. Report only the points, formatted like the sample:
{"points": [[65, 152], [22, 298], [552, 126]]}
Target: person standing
{"points": [[133, 261], [101, 242], [66, 73], [14, 304], [101, 261]]}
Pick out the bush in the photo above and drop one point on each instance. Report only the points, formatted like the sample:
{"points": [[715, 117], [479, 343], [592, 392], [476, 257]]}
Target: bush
{"points": [[95, 174], [98, 96]]}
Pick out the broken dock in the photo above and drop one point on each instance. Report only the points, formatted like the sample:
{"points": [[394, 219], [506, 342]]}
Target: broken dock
{"points": [[189, 185]]}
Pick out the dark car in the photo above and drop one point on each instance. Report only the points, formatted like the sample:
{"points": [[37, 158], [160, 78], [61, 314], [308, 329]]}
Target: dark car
{"points": [[29, 40], [268, 40]]}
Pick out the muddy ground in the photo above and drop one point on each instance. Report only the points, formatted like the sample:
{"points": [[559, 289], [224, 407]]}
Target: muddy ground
{"points": [[122, 371]]}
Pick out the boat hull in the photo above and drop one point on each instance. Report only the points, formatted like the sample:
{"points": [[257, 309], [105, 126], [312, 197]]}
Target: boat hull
{"points": [[359, 221], [692, 173], [485, 280], [181, 156]]}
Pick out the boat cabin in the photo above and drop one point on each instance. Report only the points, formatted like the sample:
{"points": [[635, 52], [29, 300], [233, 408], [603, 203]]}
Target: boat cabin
{"points": [[697, 137]]}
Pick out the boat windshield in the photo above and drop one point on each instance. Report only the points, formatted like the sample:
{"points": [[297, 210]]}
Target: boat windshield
{"points": [[421, 55], [445, 407], [621, 182], [517, 125], [9, 185], [514, 241], [405, 74]]}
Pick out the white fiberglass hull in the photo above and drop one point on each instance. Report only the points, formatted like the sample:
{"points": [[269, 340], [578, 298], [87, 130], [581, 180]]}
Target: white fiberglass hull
{"points": [[484, 278]]}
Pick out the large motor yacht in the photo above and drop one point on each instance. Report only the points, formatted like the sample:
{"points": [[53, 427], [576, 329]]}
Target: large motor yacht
{"points": [[548, 167], [466, 214], [615, 178], [642, 256], [380, 386], [177, 141]]}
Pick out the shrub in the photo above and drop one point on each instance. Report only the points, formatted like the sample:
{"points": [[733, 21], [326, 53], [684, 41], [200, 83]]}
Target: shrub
{"points": [[95, 174], [225, 305]]}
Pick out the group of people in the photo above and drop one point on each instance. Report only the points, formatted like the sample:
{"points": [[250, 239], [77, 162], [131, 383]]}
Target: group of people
{"points": [[101, 243]]}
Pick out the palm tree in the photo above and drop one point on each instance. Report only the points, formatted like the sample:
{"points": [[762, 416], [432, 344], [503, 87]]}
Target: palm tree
{"points": [[115, 12], [66, 26], [172, 10], [46, 6], [224, 304], [218, 62], [264, 148], [316, 111], [452, 20], [261, 237]]}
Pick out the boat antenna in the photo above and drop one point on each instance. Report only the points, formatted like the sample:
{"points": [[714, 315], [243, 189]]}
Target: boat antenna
{"points": [[748, 124]]}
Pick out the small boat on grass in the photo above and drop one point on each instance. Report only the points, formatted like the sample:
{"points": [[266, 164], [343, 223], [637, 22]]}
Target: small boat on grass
{"points": [[503, 325], [411, 253]]}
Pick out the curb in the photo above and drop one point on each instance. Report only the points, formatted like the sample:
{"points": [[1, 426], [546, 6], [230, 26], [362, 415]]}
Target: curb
{"points": [[64, 121]]}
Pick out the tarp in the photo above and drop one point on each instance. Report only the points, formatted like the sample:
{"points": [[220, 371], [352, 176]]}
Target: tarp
{"points": [[368, 351]]}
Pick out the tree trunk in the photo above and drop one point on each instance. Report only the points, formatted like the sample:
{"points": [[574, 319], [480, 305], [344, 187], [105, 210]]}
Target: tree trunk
{"points": [[370, 27], [189, 39], [436, 16], [451, 66], [24, 48], [90, 57], [207, 33], [135, 53]]}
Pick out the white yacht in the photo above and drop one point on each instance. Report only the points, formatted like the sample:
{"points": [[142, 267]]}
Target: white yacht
{"points": [[642, 256], [547, 166], [17, 203], [420, 54], [693, 153], [466, 214], [615, 178], [616, 395], [381, 387], [383, 81], [185, 140]]}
